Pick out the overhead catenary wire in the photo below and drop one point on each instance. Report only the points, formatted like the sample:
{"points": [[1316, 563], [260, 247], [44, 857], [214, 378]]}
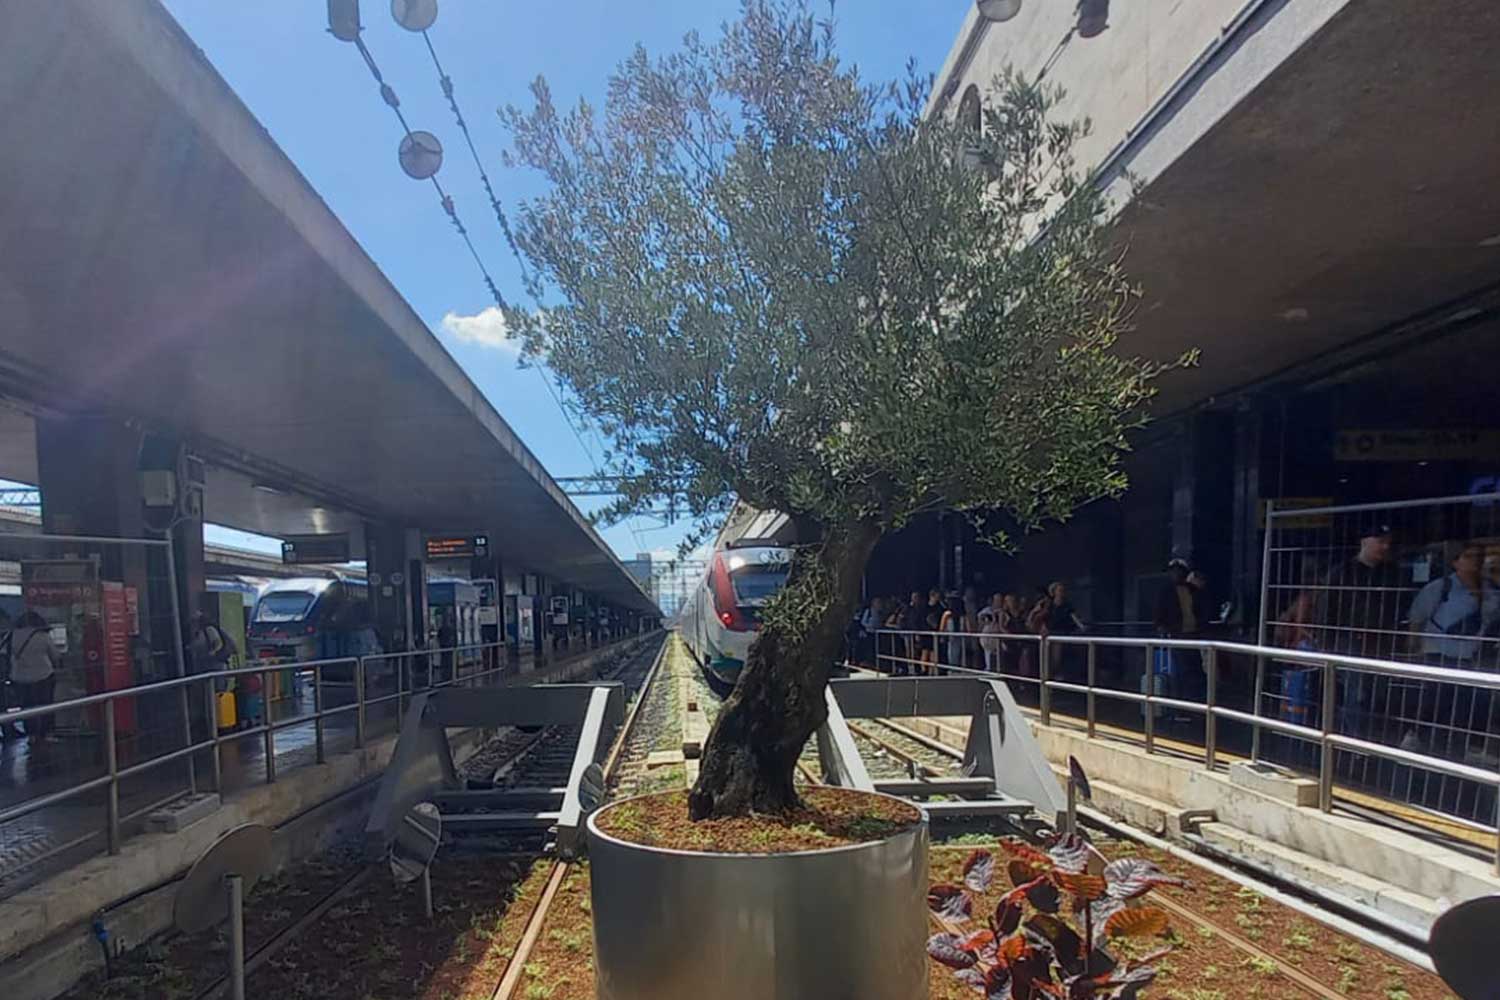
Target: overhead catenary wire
{"points": [[388, 95], [390, 98], [445, 82]]}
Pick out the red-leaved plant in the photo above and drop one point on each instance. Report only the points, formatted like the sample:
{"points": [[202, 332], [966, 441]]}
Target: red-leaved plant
{"points": [[1019, 957]]}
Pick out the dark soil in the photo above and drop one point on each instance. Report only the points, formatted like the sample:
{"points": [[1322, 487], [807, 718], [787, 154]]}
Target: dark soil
{"points": [[182, 966], [829, 817], [377, 944], [1205, 965]]}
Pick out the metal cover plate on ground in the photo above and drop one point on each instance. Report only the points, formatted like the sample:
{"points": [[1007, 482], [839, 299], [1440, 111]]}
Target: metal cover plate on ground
{"points": [[416, 842], [1461, 945], [201, 900]]}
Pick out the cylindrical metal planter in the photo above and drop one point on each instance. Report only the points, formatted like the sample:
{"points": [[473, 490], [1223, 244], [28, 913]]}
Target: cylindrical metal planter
{"points": [[849, 922]]}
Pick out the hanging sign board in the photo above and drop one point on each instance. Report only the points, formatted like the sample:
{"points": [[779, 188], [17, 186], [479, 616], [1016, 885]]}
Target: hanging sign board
{"points": [[1416, 445], [303, 549], [457, 546]]}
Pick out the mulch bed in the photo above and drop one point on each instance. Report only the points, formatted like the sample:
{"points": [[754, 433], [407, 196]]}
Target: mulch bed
{"points": [[377, 944], [830, 817], [182, 966], [1206, 966], [374, 943]]}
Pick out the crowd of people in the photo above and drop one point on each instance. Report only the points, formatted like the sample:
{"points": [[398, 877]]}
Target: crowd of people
{"points": [[1367, 606], [960, 629]]}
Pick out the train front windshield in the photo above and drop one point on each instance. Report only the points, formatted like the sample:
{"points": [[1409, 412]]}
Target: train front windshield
{"points": [[755, 585], [284, 606]]}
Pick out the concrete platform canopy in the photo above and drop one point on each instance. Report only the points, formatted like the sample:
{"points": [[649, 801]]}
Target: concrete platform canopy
{"points": [[163, 264], [1315, 174]]}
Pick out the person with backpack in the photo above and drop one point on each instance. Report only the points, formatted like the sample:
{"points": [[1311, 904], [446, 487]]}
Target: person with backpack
{"points": [[34, 659], [1456, 621], [211, 647]]}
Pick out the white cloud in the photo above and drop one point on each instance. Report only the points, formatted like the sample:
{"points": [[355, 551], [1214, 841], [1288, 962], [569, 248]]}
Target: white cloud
{"points": [[485, 328], [699, 554]]}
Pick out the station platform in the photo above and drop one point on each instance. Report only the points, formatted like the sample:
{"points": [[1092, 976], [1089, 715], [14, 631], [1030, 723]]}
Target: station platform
{"points": [[59, 874], [42, 843], [52, 839]]}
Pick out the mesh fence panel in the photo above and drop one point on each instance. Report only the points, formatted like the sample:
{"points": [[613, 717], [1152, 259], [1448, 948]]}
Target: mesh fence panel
{"points": [[1412, 582]]}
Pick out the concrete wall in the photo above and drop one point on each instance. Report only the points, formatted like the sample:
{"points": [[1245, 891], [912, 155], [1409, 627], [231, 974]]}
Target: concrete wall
{"points": [[1111, 79]]}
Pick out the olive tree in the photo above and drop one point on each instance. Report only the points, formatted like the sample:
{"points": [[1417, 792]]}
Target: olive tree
{"points": [[769, 280]]}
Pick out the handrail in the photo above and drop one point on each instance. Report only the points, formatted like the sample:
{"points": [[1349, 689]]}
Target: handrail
{"points": [[1323, 733], [266, 730]]}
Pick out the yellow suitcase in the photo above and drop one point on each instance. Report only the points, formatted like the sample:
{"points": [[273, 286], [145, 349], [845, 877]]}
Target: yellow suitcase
{"points": [[227, 717]]}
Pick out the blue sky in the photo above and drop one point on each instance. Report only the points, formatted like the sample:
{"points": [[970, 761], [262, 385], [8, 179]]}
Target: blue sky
{"points": [[317, 100]]}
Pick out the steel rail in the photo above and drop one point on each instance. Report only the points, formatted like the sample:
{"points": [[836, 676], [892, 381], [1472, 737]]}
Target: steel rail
{"points": [[361, 875], [505, 989]]}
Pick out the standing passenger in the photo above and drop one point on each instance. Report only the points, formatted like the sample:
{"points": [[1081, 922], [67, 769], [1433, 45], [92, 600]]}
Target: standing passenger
{"points": [[951, 622], [1458, 616], [34, 662]]}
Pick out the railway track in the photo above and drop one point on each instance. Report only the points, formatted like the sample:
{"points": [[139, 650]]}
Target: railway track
{"points": [[506, 988], [513, 760], [896, 751]]}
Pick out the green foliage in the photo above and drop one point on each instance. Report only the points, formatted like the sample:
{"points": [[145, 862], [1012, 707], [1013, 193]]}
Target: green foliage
{"points": [[768, 279]]}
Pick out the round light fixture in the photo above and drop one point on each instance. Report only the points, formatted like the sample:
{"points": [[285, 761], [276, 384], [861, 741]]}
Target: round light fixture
{"points": [[414, 15], [1093, 17], [421, 155], [998, 10], [343, 19]]}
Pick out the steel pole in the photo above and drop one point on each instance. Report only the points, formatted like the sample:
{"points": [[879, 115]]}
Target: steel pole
{"points": [[1044, 699], [270, 733], [1150, 694], [318, 713], [111, 759], [1210, 720], [211, 713], [236, 888], [427, 892], [1093, 679], [1260, 632], [359, 702], [181, 662], [1325, 762]]}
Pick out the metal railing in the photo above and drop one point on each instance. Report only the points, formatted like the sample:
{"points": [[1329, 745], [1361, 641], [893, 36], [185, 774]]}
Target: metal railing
{"points": [[922, 651], [367, 682]]}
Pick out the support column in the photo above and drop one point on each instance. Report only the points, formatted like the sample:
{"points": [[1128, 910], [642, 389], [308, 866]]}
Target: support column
{"points": [[89, 472], [490, 631], [398, 592], [1203, 501]]}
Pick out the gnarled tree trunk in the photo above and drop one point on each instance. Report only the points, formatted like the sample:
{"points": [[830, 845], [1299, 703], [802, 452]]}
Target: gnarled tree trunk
{"points": [[752, 750]]}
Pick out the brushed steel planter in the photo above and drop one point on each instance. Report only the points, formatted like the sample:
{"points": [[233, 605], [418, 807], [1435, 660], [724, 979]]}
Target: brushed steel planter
{"points": [[812, 925]]}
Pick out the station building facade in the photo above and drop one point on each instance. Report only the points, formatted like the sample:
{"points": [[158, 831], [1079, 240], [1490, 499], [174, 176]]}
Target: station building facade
{"points": [[1304, 192]]}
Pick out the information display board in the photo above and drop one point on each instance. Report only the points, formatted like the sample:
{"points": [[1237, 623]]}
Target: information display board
{"points": [[302, 549], [457, 546]]}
